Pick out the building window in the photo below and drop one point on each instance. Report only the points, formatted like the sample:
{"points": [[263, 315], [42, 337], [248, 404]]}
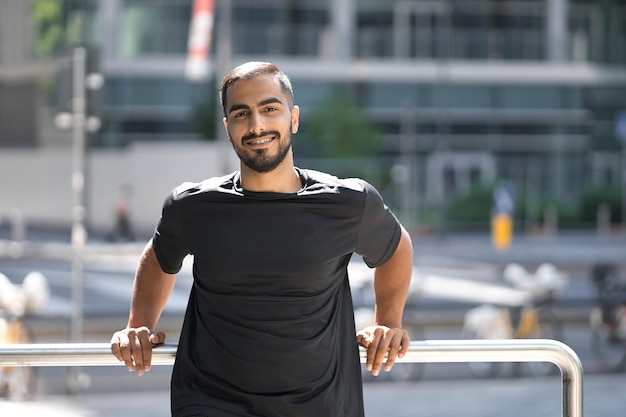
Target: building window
{"points": [[460, 96], [154, 92], [296, 29], [531, 97], [153, 28]]}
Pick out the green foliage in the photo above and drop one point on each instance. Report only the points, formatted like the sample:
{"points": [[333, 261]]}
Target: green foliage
{"points": [[203, 120], [584, 211], [47, 15], [473, 206], [592, 197], [337, 128], [566, 213]]}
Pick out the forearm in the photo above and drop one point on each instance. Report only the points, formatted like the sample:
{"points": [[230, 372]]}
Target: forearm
{"points": [[151, 289], [391, 284]]}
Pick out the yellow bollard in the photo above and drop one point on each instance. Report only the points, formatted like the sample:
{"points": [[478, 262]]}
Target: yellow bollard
{"points": [[501, 231]]}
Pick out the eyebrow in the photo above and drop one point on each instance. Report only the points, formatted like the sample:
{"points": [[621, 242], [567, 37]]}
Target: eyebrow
{"points": [[261, 103]]}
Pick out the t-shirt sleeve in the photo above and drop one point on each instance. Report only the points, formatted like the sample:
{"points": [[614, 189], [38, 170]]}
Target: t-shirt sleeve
{"points": [[167, 239], [379, 231]]}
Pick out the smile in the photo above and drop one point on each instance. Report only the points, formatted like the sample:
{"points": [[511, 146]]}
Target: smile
{"points": [[261, 141]]}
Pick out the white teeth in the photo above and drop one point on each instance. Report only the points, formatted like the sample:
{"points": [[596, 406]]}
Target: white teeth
{"points": [[261, 141]]}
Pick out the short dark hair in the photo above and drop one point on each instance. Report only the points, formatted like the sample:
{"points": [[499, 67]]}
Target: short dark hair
{"points": [[251, 70]]}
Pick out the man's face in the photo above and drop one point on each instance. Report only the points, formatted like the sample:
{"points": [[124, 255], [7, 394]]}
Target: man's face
{"points": [[259, 122]]}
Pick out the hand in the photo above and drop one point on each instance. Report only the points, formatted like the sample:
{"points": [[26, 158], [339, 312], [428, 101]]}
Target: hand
{"points": [[382, 341], [133, 346]]}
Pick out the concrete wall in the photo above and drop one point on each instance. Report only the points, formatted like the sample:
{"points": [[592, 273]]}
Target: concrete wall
{"points": [[18, 121], [38, 181]]}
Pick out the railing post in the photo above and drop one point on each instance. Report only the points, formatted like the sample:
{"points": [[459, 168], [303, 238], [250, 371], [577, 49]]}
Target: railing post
{"points": [[509, 350], [433, 351]]}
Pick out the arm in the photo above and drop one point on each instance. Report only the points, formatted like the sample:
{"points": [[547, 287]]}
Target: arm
{"points": [[151, 290], [391, 285]]}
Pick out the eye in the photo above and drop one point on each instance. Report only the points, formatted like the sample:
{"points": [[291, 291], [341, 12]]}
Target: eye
{"points": [[240, 114]]}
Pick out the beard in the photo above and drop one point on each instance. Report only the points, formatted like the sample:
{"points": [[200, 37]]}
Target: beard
{"points": [[263, 160]]}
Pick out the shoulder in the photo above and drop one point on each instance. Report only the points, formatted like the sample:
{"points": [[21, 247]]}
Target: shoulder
{"points": [[317, 181], [358, 191], [187, 191]]}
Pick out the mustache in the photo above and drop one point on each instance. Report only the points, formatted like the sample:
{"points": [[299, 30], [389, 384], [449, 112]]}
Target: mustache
{"points": [[252, 136]]}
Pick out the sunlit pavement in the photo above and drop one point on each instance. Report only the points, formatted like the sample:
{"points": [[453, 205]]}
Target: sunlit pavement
{"points": [[567, 247], [516, 397], [511, 397]]}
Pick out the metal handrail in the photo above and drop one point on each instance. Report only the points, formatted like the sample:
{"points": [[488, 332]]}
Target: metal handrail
{"points": [[429, 351]]}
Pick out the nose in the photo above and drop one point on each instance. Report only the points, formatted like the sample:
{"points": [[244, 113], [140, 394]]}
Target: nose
{"points": [[257, 123]]}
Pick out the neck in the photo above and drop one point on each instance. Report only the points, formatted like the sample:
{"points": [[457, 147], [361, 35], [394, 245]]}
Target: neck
{"points": [[283, 179]]}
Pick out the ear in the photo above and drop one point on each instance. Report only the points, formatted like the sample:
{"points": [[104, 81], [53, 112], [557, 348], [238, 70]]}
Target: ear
{"points": [[295, 119], [225, 122]]}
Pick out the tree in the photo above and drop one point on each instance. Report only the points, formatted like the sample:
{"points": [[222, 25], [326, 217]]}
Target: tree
{"points": [[337, 128], [473, 206], [594, 196], [203, 118], [48, 19]]}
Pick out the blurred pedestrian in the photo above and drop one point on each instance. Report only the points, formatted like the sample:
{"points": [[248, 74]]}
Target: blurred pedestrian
{"points": [[269, 328], [122, 228]]}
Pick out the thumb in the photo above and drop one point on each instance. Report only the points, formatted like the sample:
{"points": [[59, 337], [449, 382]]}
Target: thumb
{"points": [[363, 339], [157, 338]]}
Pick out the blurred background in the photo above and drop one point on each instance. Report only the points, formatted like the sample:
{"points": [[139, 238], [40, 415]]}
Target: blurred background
{"points": [[434, 102], [495, 130]]}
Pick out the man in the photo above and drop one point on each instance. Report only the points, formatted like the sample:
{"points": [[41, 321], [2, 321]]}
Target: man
{"points": [[269, 327]]}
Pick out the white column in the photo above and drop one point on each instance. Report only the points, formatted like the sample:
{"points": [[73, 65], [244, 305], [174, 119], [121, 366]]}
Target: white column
{"points": [[402, 30], [557, 12], [462, 168], [109, 16], [16, 33], [343, 18]]}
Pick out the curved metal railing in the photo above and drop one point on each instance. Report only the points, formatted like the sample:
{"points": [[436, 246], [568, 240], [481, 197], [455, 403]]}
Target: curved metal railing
{"points": [[430, 351]]}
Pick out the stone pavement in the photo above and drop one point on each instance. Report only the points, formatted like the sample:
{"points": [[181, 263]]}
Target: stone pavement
{"points": [[565, 248], [508, 397], [577, 249], [603, 396]]}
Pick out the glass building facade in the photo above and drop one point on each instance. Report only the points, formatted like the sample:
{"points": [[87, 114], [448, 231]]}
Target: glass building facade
{"points": [[523, 90]]}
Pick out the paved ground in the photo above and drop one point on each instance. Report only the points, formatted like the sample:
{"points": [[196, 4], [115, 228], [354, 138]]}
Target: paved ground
{"points": [[565, 248], [510, 397], [603, 396]]}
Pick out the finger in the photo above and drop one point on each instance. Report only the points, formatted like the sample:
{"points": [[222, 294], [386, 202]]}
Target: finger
{"points": [[157, 338], [398, 347], [363, 339], [145, 346], [394, 348], [374, 362], [115, 346], [135, 350], [125, 351], [406, 344], [371, 353], [380, 352]]}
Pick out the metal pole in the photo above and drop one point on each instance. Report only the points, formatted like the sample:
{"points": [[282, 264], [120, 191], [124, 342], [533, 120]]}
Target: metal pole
{"points": [[408, 150], [620, 133], [429, 351], [72, 354], [78, 188], [624, 185], [513, 350], [223, 58], [78, 210]]}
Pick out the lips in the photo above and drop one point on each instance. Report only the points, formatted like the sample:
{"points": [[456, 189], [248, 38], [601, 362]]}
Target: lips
{"points": [[258, 140], [261, 141]]}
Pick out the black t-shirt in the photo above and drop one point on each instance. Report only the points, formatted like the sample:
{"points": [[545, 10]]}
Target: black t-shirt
{"points": [[269, 328]]}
